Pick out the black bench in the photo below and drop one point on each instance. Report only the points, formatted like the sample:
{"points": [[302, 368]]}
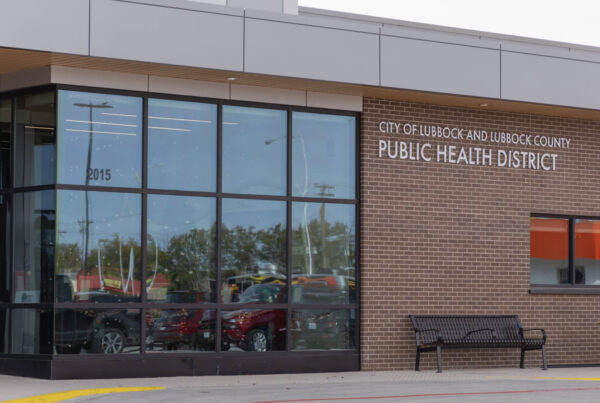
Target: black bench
{"points": [[434, 332]]}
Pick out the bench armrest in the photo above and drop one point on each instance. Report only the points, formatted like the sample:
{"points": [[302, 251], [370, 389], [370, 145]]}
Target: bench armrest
{"points": [[494, 334], [521, 330]]}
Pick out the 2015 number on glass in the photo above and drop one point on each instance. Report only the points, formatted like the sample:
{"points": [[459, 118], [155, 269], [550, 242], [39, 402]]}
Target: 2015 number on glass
{"points": [[102, 174]]}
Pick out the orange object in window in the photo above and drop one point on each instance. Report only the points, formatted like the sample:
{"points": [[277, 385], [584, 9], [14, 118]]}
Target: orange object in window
{"points": [[549, 238]]}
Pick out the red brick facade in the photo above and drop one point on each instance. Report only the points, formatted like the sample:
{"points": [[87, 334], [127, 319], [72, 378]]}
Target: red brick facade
{"points": [[454, 238]]}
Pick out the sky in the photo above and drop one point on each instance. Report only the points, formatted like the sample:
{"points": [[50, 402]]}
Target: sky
{"points": [[573, 21]]}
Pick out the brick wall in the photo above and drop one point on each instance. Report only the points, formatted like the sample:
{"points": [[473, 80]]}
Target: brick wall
{"points": [[446, 238]]}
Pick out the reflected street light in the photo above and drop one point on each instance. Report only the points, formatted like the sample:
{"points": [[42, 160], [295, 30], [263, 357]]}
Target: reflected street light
{"points": [[304, 193], [91, 106]]}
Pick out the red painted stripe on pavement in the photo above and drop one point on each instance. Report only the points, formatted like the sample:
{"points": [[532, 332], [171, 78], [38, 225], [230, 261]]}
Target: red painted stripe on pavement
{"points": [[502, 392]]}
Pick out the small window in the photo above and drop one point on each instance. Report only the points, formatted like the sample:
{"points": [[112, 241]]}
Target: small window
{"points": [[565, 251]]}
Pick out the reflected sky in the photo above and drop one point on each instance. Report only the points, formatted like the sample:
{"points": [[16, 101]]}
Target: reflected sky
{"points": [[254, 150], [323, 155], [113, 123], [182, 145], [170, 216], [109, 214]]}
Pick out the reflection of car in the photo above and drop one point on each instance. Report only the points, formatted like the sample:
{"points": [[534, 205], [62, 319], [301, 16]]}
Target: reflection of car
{"points": [[107, 332], [322, 330], [176, 327], [322, 288], [268, 292], [255, 330], [184, 296]]}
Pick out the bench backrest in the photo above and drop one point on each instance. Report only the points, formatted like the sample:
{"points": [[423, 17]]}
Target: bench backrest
{"points": [[456, 328]]}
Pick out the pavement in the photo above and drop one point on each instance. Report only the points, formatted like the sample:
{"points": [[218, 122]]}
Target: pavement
{"points": [[476, 385]]}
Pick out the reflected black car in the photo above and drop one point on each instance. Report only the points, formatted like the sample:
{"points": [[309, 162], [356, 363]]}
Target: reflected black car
{"points": [[104, 332]]}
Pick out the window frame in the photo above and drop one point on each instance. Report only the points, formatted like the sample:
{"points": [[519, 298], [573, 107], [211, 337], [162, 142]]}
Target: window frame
{"points": [[571, 287]]}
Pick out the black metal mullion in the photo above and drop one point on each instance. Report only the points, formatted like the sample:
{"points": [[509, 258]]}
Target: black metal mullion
{"points": [[56, 135], [572, 250], [357, 266], [289, 279], [144, 227], [219, 205]]}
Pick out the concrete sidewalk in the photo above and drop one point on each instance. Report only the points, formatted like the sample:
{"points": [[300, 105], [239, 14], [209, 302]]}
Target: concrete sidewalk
{"points": [[498, 385]]}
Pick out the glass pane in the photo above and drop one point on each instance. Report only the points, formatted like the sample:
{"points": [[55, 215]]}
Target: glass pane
{"points": [[181, 249], [182, 145], [549, 250], [323, 253], [5, 142], [35, 142], [98, 247], [34, 226], [88, 331], [253, 246], [5, 251], [31, 331], [3, 330], [323, 155], [253, 330], [181, 330], [587, 252], [254, 150], [100, 139], [325, 329]]}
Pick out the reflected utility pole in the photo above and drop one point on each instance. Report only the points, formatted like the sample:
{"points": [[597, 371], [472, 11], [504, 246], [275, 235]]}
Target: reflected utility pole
{"points": [[88, 165], [323, 192]]}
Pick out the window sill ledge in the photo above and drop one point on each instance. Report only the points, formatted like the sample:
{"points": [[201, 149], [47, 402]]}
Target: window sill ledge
{"points": [[573, 290]]}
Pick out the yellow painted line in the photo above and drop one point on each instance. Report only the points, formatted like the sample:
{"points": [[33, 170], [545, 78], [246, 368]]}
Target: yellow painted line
{"points": [[568, 379], [72, 394]]}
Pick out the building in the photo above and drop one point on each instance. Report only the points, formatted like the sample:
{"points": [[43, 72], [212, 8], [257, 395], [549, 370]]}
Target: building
{"points": [[253, 187]]}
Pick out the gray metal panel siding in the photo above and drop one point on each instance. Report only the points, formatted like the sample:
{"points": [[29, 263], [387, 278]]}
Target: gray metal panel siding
{"points": [[439, 67], [304, 51], [166, 35], [548, 80], [54, 26]]}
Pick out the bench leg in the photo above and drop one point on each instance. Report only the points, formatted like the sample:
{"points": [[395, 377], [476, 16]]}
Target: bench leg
{"points": [[418, 359], [544, 363], [439, 359], [522, 358]]}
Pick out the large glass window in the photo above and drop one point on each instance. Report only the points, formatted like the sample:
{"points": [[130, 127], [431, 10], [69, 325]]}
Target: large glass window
{"points": [[194, 247], [5, 248], [98, 252], [254, 150], [323, 253], [181, 249], [34, 231], [35, 140], [100, 139], [323, 155], [253, 247], [109, 331], [31, 331], [182, 145], [5, 142], [254, 330], [4, 331], [181, 330]]}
